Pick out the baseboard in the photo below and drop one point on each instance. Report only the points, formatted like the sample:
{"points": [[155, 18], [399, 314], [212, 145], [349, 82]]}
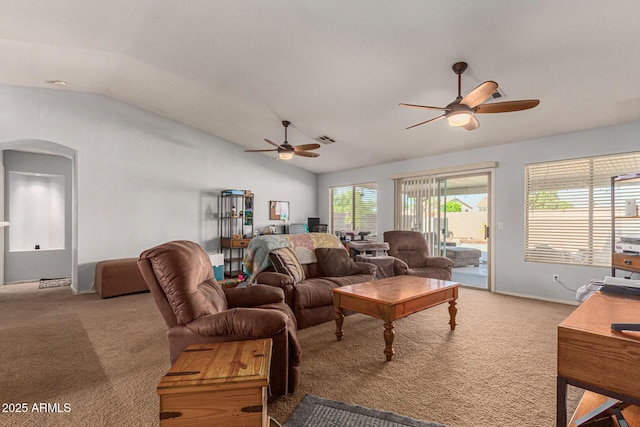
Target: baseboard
{"points": [[513, 294]]}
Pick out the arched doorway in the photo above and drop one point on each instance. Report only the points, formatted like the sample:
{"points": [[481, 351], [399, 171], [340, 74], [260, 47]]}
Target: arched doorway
{"points": [[55, 149]]}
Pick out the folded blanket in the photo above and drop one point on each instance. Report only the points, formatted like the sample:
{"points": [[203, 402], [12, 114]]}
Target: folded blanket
{"points": [[256, 257]]}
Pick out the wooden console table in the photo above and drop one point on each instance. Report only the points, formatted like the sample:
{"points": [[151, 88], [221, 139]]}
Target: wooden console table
{"points": [[593, 357], [220, 384]]}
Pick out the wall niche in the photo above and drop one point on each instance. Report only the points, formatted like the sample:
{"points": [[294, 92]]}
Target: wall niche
{"points": [[37, 211]]}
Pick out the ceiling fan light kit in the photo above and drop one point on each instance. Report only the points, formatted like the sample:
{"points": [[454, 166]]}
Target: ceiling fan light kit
{"points": [[286, 151], [461, 112], [459, 118]]}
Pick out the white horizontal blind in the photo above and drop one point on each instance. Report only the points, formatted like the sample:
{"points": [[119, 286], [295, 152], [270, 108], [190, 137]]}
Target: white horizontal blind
{"points": [[365, 206], [355, 208], [568, 209]]}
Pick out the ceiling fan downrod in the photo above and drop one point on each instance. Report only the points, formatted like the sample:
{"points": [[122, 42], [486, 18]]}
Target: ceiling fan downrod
{"points": [[286, 124], [459, 68]]}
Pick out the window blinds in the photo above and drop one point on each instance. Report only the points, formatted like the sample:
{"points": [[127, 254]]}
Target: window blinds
{"points": [[568, 208], [355, 208]]}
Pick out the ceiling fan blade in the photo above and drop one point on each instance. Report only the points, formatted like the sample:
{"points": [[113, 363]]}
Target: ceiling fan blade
{"points": [[272, 143], [306, 154], [427, 121], [473, 124], [425, 107], [259, 151], [507, 106], [480, 94], [305, 147]]}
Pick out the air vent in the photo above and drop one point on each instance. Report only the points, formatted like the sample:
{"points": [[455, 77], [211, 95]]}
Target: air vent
{"points": [[498, 94], [325, 139]]}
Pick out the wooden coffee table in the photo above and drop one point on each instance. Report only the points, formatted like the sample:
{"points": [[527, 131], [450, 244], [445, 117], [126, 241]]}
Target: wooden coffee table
{"points": [[393, 298]]}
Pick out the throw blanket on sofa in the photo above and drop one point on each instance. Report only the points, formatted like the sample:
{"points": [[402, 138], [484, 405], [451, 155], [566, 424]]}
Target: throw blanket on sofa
{"points": [[256, 257]]}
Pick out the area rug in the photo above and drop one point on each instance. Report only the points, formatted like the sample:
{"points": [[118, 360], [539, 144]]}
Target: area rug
{"points": [[54, 283], [314, 411]]}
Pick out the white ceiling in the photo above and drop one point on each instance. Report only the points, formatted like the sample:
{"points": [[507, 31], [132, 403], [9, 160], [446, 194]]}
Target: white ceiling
{"points": [[237, 68]]}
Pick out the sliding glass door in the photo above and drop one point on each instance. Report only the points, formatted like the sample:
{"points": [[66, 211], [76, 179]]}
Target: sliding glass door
{"points": [[453, 213], [463, 227]]}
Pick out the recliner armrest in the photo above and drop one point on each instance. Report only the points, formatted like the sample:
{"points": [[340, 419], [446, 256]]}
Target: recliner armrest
{"points": [[272, 278], [400, 267], [439, 262], [252, 296], [248, 322]]}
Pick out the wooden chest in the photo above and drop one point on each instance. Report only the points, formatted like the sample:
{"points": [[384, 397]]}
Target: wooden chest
{"points": [[221, 384]]}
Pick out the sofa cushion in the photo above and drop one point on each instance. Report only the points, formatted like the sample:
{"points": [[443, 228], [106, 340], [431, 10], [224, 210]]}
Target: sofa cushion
{"points": [[336, 262], [284, 261], [351, 280], [314, 293]]}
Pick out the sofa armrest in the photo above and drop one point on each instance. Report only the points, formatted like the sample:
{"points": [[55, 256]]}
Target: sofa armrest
{"points": [[254, 295], [272, 278], [247, 322], [367, 268], [439, 262], [400, 267]]}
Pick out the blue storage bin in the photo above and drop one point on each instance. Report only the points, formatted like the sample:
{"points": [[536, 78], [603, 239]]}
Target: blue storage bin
{"points": [[218, 272], [217, 261]]}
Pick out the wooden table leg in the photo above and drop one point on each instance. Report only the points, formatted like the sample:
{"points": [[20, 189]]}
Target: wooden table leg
{"points": [[561, 402], [452, 314], [389, 335], [338, 316]]}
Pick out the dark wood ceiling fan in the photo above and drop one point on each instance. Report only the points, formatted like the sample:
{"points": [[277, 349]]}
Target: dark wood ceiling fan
{"points": [[462, 111], [286, 150]]}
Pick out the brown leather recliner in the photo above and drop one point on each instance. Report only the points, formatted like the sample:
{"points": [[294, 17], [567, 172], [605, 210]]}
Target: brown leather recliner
{"points": [[411, 253], [198, 310]]}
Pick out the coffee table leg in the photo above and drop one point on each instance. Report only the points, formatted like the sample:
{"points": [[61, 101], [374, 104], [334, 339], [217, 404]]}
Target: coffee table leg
{"points": [[452, 314], [389, 335]]}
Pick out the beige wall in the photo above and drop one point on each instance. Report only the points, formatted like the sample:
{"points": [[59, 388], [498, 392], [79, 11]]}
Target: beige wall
{"points": [[467, 225]]}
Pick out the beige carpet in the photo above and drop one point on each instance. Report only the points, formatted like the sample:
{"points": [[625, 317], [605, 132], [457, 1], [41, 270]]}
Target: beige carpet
{"points": [[105, 357]]}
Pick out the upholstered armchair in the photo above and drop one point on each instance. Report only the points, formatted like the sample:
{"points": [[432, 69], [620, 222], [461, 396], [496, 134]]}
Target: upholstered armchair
{"points": [[198, 310], [411, 253]]}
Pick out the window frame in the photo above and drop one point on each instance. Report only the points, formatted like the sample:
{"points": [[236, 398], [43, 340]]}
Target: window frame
{"points": [[354, 210], [567, 208]]}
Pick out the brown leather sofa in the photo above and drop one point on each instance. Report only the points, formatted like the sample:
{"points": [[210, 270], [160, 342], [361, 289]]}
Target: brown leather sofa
{"points": [[198, 310], [311, 299], [411, 253]]}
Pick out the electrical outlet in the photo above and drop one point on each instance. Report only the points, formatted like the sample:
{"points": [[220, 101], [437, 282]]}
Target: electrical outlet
{"points": [[556, 278]]}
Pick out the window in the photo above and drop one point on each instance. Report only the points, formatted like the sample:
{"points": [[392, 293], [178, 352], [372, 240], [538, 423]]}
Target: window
{"points": [[355, 208], [568, 209]]}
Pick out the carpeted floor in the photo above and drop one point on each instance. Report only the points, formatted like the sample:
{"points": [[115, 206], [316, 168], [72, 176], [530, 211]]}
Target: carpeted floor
{"points": [[105, 357], [102, 357]]}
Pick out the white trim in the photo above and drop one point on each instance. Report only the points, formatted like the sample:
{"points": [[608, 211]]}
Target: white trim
{"points": [[448, 170], [559, 301]]}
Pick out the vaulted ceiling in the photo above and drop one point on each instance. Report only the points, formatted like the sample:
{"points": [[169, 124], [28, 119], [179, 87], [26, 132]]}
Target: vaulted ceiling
{"points": [[336, 68]]}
